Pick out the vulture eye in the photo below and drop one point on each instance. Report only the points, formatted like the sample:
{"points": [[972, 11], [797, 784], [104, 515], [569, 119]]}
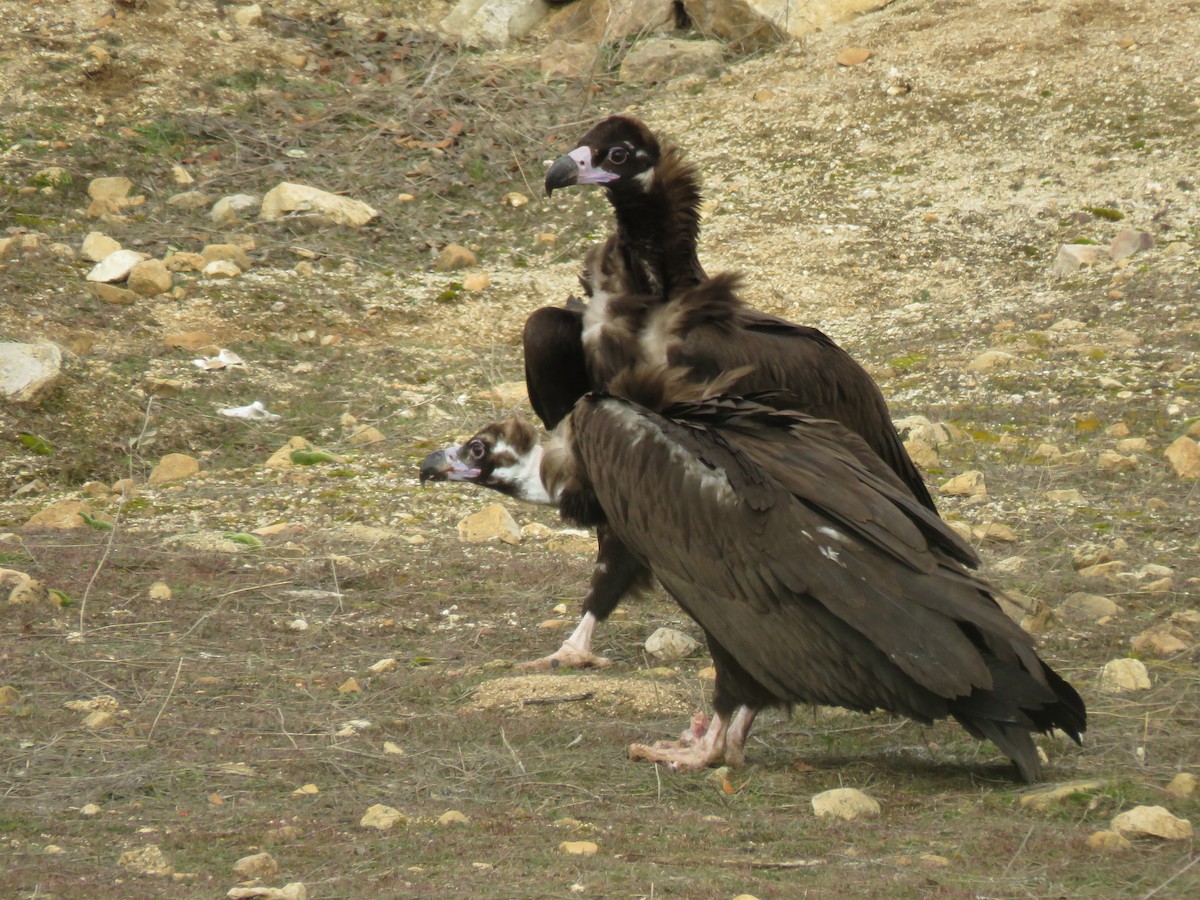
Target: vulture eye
{"points": [[618, 155], [476, 450]]}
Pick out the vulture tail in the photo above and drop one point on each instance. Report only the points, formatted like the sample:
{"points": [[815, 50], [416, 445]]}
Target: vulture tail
{"points": [[1016, 705]]}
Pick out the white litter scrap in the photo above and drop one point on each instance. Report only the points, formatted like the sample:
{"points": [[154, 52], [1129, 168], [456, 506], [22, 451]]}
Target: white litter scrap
{"points": [[223, 360], [255, 412]]}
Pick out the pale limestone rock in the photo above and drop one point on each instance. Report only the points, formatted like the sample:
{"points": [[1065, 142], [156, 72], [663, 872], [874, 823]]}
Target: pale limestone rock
{"points": [[992, 361], [594, 22], [922, 453], [1129, 242], [148, 860], [995, 532], [248, 16], [476, 281], [188, 200], [97, 245], [113, 188], [181, 176], [1183, 786], [282, 458], [160, 591], [493, 521], [508, 393], [1108, 841], [65, 514], [368, 434], [1158, 642], [668, 645], [111, 293], [231, 252], [116, 266], [1046, 453], [1071, 257], [968, 484], [1069, 496], [1154, 821], [221, 268], [567, 60], [1111, 461], [454, 256], [190, 340], [174, 467], [1084, 607], [1184, 456], [149, 278], [293, 891], [184, 262], [382, 818], [661, 59], [258, 865], [845, 803], [1087, 555], [235, 208], [491, 23], [453, 817], [579, 848], [1103, 570], [388, 664], [29, 372], [1047, 798], [9, 696], [29, 592], [300, 200], [1120, 675], [753, 23], [919, 428], [1133, 445]]}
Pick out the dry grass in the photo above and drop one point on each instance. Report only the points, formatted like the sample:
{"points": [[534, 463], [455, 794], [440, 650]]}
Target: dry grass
{"points": [[225, 707]]}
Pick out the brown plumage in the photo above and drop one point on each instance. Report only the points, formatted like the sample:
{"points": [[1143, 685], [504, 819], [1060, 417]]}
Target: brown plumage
{"points": [[650, 301], [814, 573]]}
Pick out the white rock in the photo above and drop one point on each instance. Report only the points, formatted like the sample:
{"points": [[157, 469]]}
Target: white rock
{"points": [[845, 803], [1184, 456], [1084, 607], [29, 372], [300, 199], [247, 16], [116, 266], [113, 188], [992, 360], [491, 23], [1154, 821], [1073, 256], [667, 644], [97, 245], [230, 209], [221, 268], [1120, 675]]}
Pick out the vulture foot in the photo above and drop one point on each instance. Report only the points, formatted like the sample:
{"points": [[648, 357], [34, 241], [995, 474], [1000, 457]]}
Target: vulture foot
{"points": [[567, 657], [705, 743], [575, 653]]}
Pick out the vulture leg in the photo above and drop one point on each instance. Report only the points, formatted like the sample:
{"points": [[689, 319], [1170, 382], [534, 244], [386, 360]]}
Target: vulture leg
{"points": [[555, 368], [722, 742], [615, 575]]}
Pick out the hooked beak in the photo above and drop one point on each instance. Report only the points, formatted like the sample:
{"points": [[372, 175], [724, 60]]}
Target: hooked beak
{"points": [[576, 168], [443, 465]]}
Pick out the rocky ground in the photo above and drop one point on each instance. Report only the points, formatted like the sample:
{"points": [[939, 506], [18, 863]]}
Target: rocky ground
{"points": [[997, 211]]}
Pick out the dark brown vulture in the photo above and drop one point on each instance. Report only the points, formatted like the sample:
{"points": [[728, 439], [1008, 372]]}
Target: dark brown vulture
{"points": [[815, 574], [633, 281]]}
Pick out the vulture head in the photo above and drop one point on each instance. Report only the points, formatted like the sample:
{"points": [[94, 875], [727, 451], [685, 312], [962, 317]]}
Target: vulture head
{"points": [[619, 153], [505, 456]]}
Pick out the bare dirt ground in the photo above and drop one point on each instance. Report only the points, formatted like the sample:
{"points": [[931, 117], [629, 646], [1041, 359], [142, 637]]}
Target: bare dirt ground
{"points": [[918, 226]]}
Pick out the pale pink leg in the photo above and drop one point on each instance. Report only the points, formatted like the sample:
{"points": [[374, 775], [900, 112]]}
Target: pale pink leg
{"points": [[576, 651], [722, 743]]}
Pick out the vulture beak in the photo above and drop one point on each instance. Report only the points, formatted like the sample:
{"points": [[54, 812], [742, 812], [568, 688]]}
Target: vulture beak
{"points": [[443, 465], [576, 168]]}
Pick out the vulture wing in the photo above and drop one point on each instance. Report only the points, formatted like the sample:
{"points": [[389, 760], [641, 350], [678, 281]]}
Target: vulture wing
{"points": [[556, 373], [813, 572]]}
